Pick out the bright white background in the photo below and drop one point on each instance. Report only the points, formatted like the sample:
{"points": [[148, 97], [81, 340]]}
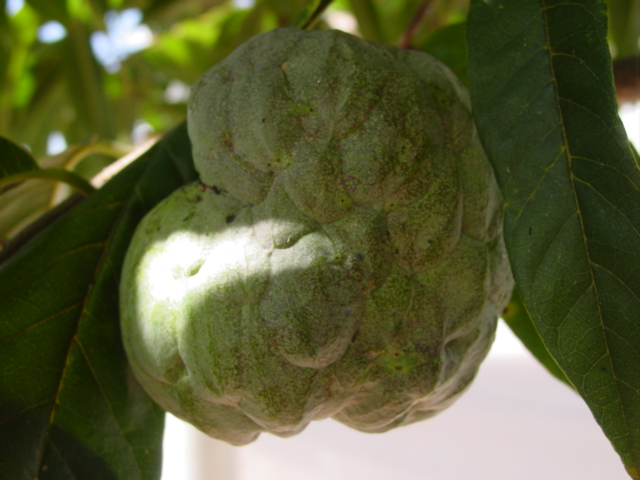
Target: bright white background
{"points": [[516, 422]]}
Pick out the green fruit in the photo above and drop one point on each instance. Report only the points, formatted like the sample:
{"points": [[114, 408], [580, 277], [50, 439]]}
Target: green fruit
{"points": [[342, 256]]}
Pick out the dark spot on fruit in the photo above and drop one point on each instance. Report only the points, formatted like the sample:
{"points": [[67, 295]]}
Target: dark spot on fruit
{"points": [[206, 187], [398, 367], [355, 335], [264, 120], [230, 218]]}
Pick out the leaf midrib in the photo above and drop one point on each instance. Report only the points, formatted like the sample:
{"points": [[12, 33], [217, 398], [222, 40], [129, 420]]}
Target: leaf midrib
{"points": [[573, 180], [121, 205]]}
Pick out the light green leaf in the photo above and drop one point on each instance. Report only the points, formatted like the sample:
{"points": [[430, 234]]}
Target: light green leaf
{"points": [[368, 19], [624, 20], [85, 81]]}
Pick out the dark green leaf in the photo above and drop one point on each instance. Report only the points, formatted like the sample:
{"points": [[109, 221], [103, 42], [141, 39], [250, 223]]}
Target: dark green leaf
{"points": [[17, 165], [69, 406], [449, 45], [520, 323], [542, 91], [50, 10], [285, 12], [14, 159]]}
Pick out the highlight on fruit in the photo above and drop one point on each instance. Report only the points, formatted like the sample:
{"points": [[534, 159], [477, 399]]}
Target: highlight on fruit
{"points": [[341, 256]]}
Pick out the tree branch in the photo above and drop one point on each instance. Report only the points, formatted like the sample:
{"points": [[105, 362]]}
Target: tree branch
{"points": [[626, 72], [414, 25]]}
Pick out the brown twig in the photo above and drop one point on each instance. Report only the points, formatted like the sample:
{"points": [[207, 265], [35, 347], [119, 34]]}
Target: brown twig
{"points": [[626, 72], [311, 14], [414, 25]]}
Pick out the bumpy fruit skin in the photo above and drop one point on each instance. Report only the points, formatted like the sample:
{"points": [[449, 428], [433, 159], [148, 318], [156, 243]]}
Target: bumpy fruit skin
{"points": [[342, 256]]}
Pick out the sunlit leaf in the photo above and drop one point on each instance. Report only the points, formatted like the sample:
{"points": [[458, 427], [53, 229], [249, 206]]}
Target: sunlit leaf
{"points": [[53, 175], [47, 109], [542, 92], [624, 19], [69, 406], [81, 10], [193, 46], [168, 12], [85, 81], [16, 166], [16, 83], [24, 203]]}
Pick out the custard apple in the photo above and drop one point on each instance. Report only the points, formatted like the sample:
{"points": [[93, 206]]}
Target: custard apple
{"points": [[341, 256]]}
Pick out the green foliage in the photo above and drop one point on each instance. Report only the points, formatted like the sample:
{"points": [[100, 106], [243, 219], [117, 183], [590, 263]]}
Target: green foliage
{"points": [[541, 87], [18, 165], [519, 321], [543, 97], [15, 159], [70, 406]]}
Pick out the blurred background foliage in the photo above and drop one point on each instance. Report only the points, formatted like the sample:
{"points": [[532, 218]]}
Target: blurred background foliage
{"points": [[83, 82]]}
